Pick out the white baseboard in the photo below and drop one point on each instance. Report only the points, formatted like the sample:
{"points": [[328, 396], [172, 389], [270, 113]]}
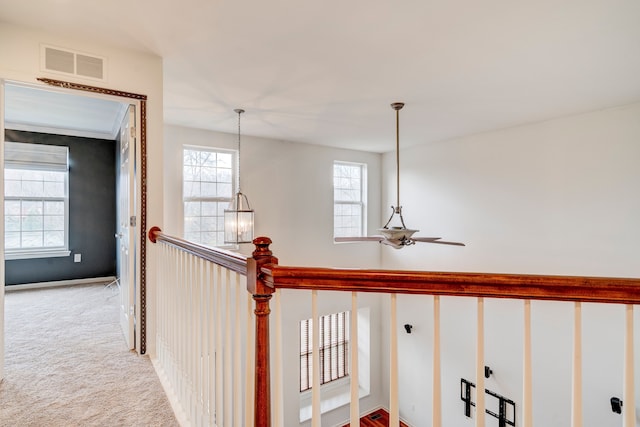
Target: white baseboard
{"points": [[105, 280]]}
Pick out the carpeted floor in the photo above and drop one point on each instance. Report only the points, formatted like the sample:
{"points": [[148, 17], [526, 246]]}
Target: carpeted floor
{"points": [[66, 364]]}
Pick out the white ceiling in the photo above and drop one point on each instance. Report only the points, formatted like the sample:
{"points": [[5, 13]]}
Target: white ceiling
{"points": [[325, 72], [52, 111]]}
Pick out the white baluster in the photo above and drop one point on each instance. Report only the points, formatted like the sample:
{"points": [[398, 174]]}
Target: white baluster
{"points": [[394, 411], [527, 385], [237, 355], [315, 388], [228, 359], [576, 395], [219, 409], [480, 391], [353, 351], [628, 396], [436, 419]]}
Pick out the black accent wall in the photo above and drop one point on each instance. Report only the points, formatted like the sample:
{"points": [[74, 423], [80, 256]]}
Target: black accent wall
{"points": [[92, 212]]}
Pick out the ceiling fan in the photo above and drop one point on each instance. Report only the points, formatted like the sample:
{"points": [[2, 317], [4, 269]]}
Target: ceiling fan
{"points": [[397, 236]]}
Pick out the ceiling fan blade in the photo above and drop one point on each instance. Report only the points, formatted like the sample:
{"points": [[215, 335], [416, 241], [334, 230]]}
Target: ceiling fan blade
{"points": [[425, 239], [441, 242], [358, 239]]}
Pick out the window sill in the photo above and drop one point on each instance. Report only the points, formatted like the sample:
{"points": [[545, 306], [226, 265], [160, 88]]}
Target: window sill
{"points": [[334, 395], [36, 254]]}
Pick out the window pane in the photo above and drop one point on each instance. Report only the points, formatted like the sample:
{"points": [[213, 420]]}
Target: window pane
{"points": [[207, 189], [191, 209], [32, 239], [12, 240], [53, 238], [12, 207], [32, 223], [348, 192], [35, 213], [12, 223], [54, 208], [30, 207], [54, 222]]}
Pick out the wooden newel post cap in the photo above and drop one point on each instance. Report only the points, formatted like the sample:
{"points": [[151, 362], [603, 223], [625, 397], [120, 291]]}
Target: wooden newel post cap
{"points": [[152, 233], [262, 247]]}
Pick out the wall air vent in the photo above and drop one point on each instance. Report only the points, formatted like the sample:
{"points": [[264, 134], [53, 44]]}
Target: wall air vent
{"points": [[73, 63]]}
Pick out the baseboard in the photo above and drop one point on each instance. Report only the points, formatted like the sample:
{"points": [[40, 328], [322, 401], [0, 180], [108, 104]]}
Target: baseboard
{"points": [[72, 282], [173, 399]]}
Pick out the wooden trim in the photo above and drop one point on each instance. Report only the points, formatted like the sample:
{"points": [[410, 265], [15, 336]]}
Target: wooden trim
{"points": [[490, 285], [94, 89], [231, 260], [143, 187]]}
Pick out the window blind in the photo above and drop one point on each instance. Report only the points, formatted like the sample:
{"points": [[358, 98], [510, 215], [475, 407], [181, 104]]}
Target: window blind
{"points": [[36, 156]]}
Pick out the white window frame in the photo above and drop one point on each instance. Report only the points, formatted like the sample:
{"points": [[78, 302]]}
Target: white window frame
{"points": [[224, 200], [40, 157], [362, 203]]}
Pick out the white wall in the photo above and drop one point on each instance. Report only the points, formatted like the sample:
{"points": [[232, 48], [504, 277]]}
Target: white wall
{"points": [[558, 197], [290, 187], [128, 71]]}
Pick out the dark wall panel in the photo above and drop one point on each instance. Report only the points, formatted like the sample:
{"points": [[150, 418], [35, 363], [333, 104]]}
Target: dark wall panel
{"points": [[92, 213]]}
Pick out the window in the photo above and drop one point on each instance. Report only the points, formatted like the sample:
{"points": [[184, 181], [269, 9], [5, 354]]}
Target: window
{"points": [[349, 197], [207, 190], [36, 202], [334, 349]]}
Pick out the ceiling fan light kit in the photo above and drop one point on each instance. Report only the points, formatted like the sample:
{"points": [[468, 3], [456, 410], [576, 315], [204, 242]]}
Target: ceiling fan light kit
{"points": [[397, 236]]}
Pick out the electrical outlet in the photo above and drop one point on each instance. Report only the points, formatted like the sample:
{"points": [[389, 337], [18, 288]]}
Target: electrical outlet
{"points": [[77, 257]]}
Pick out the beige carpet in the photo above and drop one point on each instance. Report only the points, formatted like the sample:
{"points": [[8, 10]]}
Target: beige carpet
{"points": [[67, 364]]}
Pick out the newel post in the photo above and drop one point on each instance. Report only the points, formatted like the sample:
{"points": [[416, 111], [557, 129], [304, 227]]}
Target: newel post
{"points": [[261, 295]]}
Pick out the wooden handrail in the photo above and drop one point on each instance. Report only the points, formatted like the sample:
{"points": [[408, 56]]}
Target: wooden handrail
{"points": [[231, 260], [489, 285]]}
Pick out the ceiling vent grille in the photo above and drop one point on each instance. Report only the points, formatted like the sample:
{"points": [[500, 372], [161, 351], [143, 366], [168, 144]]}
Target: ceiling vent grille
{"points": [[74, 63]]}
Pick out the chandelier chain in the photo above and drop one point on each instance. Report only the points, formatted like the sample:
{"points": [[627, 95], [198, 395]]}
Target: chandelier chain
{"points": [[239, 111]]}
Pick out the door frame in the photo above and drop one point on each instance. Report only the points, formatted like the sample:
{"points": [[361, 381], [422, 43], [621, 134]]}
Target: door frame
{"points": [[140, 198]]}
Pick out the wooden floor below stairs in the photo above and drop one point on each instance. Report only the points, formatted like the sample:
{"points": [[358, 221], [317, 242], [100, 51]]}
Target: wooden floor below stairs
{"points": [[379, 418]]}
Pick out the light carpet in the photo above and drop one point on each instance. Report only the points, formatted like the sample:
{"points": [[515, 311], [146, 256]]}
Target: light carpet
{"points": [[66, 363]]}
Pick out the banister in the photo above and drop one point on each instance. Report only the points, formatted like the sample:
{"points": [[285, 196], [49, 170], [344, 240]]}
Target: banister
{"points": [[231, 260], [489, 285]]}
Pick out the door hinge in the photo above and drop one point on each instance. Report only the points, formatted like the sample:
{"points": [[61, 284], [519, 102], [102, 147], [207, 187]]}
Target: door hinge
{"points": [[132, 221], [132, 131]]}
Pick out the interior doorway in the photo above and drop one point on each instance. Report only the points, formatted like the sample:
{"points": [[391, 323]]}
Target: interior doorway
{"points": [[25, 106]]}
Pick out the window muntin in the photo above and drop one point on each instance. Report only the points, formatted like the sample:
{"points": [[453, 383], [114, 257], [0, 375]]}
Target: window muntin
{"points": [[349, 197], [36, 202], [208, 178], [334, 349]]}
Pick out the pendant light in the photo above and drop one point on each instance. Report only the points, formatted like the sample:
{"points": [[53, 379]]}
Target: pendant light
{"points": [[238, 218]]}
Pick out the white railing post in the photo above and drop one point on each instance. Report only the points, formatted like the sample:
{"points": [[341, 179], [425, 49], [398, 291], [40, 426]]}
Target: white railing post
{"points": [[315, 388], [527, 386], [355, 386], [576, 387], [480, 405], [628, 397], [436, 419], [394, 409]]}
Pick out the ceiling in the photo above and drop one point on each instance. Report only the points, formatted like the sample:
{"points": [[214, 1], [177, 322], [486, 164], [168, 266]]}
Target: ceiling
{"points": [[51, 111], [325, 72]]}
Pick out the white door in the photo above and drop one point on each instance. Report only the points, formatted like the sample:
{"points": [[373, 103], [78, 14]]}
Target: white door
{"points": [[126, 227], [2, 231]]}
